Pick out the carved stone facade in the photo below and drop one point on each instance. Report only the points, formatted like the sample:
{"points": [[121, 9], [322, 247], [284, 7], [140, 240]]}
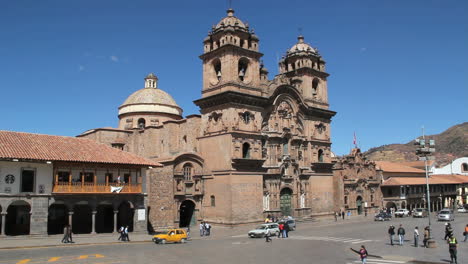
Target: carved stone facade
{"points": [[259, 146], [357, 183]]}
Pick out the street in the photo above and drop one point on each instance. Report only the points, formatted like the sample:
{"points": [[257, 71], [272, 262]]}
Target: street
{"points": [[312, 242]]}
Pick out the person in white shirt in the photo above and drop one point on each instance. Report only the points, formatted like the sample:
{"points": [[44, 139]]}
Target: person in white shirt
{"points": [[202, 229], [416, 237]]}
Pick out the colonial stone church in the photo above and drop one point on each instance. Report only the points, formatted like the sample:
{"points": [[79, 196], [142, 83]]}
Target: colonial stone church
{"points": [[260, 147]]}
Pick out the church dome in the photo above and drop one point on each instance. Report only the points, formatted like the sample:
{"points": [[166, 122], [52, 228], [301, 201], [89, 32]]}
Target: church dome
{"points": [[231, 22], [150, 100], [301, 46]]}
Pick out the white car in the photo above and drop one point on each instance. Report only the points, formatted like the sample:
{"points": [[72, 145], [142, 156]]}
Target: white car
{"points": [[402, 213], [262, 230], [462, 210]]}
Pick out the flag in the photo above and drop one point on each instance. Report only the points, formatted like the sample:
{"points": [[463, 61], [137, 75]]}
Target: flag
{"points": [[354, 140]]}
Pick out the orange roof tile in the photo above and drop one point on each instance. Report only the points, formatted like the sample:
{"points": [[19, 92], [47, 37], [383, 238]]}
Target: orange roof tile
{"points": [[28, 146], [417, 164], [387, 166], [433, 179]]}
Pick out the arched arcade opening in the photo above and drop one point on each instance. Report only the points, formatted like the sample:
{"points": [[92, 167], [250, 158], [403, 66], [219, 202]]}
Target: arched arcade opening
{"points": [[57, 219], [104, 218], [18, 219], [125, 215], [82, 219]]}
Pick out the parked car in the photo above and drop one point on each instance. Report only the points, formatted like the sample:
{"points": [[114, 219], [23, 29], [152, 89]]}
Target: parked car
{"points": [[382, 217], [420, 212], [462, 209], [176, 235], [291, 223], [402, 213], [445, 215], [263, 229]]}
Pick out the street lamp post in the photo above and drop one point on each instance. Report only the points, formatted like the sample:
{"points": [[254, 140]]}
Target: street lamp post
{"points": [[424, 151]]}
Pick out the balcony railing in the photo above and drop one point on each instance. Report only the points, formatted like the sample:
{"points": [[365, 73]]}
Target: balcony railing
{"points": [[78, 187]]}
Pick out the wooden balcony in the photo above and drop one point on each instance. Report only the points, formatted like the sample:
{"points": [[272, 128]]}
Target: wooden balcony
{"points": [[91, 188]]}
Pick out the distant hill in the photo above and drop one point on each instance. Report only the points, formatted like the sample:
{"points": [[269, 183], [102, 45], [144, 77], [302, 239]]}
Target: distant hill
{"points": [[450, 144]]}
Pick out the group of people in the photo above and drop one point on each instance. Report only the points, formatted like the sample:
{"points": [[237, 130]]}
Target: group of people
{"points": [[401, 232], [67, 234], [342, 214], [123, 231], [205, 229]]}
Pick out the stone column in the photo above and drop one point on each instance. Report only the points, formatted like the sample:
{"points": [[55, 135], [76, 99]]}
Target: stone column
{"points": [[2, 232], [70, 219], [115, 221], [94, 222]]}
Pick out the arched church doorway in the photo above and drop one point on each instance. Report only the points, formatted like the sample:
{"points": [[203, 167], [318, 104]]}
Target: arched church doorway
{"points": [[125, 215], [187, 216], [390, 205], [359, 205], [57, 219], [285, 201], [104, 218], [18, 219], [82, 220]]}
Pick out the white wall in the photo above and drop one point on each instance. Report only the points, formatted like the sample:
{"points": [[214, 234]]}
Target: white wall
{"points": [[43, 176], [453, 168]]}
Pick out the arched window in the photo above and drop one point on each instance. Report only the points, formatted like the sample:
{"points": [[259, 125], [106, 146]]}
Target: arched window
{"points": [[464, 167], [213, 201], [246, 150], [242, 68], [315, 84], [246, 116], [217, 68], [188, 171], [285, 146], [320, 155], [141, 123]]}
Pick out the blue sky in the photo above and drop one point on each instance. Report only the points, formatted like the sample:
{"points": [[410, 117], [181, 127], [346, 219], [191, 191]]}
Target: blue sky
{"points": [[66, 66]]}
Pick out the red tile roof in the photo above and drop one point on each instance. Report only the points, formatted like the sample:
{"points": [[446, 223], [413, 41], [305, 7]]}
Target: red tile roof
{"points": [[28, 146], [433, 179], [417, 164], [387, 166]]}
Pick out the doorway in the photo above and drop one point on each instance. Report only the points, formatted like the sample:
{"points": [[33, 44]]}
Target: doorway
{"points": [[18, 219], [57, 219], [359, 205], [285, 201], [187, 216]]}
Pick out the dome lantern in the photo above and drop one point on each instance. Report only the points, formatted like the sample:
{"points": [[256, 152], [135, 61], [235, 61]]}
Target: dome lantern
{"points": [[151, 81]]}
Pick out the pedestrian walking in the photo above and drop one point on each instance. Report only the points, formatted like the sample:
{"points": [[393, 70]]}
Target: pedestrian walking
{"points": [[426, 236], [121, 233], [448, 230], [281, 228], [267, 236], [202, 228], [362, 253], [126, 237], [286, 229], [416, 237], [349, 214], [465, 233], [391, 233], [70, 234], [336, 216], [342, 214], [452, 241], [207, 229], [401, 234], [65, 238]]}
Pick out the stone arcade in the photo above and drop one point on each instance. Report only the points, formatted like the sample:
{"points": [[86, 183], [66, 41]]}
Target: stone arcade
{"points": [[260, 147]]}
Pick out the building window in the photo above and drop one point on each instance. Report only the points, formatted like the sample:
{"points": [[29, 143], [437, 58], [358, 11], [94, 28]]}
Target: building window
{"points": [[242, 68], [88, 176], [213, 201], [217, 69], [141, 123], [285, 146], [110, 177], [28, 177], [246, 151], [390, 192], [320, 155], [118, 146], [371, 198], [126, 177], [315, 84], [63, 176], [346, 200], [246, 116], [188, 171], [464, 167]]}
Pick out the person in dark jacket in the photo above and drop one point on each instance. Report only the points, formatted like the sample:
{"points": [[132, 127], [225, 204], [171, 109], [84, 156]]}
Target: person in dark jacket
{"points": [[448, 230], [286, 229], [391, 233], [401, 234]]}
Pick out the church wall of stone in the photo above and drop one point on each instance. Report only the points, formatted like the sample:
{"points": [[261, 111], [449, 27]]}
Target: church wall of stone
{"points": [[322, 194], [162, 213]]}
